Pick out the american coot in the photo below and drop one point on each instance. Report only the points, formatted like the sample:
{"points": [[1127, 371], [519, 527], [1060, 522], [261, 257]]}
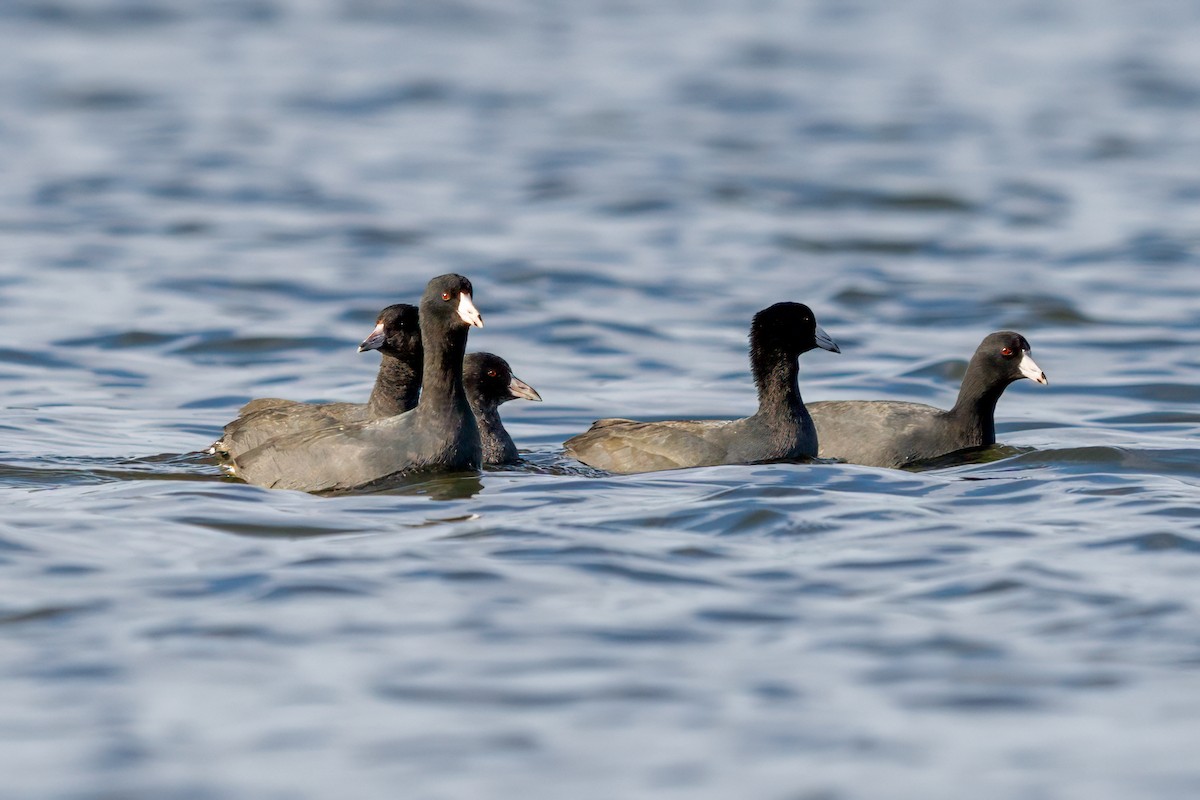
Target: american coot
{"points": [[397, 336], [781, 428], [884, 433], [440, 433], [489, 381]]}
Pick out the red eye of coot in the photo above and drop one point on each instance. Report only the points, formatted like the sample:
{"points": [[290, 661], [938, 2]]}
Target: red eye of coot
{"points": [[445, 295], [491, 373], [1007, 352]]}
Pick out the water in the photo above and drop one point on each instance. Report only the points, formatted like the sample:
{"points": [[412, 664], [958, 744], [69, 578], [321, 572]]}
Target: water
{"points": [[204, 203]]}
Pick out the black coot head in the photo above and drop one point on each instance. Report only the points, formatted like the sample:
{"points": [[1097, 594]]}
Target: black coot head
{"points": [[448, 300], [491, 380], [397, 332], [789, 328], [1004, 356]]}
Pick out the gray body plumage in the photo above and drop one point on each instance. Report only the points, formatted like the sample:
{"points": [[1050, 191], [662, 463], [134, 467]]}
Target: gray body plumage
{"points": [[362, 454], [881, 433], [440, 433], [623, 445], [781, 429], [397, 387], [886, 433]]}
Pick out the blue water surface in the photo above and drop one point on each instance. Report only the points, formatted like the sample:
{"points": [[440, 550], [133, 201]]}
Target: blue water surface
{"points": [[201, 203]]}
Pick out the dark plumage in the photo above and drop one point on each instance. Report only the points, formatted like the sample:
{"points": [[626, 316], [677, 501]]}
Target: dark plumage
{"points": [[884, 433], [781, 428], [489, 382], [397, 336], [440, 433]]}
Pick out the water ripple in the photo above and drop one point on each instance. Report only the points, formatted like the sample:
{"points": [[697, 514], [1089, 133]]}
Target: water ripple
{"points": [[209, 202]]}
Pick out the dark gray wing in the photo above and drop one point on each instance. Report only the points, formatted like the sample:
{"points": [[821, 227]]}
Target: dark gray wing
{"points": [[621, 445]]}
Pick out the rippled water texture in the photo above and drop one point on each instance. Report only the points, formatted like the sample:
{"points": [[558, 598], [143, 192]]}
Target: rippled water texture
{"points": [[207, 202]]}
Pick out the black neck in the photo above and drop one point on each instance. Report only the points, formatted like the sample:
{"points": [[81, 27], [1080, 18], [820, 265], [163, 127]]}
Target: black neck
{"points": [[481, 406], [397, 386], [488, 417], [498, 446], [776, 375], [441, 382], [976, 404]]}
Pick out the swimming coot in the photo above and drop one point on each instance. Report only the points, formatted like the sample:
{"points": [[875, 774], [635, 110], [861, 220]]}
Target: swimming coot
{"points": [[397, 336], [489, 381], [885, 433], [781, 428], [440, 433]]}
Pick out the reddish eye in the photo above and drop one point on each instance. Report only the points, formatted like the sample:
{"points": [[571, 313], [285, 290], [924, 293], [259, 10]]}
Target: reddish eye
{"points": [[1007, 352], [491, 373], [445, 295]]}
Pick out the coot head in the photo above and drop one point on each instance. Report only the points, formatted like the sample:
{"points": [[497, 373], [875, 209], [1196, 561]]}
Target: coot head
{"points": [[1003, 357], [397, 332], [448, 302], [790, 329], [489, 379]]}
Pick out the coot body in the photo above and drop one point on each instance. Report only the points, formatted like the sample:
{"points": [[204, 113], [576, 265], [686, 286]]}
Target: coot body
{"points": [[780, 429], [885, 433], [397, 336], [440, 433]]}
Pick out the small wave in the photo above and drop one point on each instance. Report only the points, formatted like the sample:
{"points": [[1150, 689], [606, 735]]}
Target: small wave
{"points": [[375, 101], [224, 346], [51, 473], [1156, 542], [1107, 458]]}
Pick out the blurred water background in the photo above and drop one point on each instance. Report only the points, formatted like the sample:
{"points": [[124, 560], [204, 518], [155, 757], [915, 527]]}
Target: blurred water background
{"points": [[204, 202]]}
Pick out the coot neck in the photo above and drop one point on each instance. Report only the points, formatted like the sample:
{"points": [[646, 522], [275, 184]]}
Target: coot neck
{"points": [[976, 404], [441, 381], [498, 447], [397, 386], [776, 374], [486, 414]]}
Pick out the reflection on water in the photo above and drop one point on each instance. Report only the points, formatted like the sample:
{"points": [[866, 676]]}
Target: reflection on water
{"points": [[451, 486], [205, 203]]}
